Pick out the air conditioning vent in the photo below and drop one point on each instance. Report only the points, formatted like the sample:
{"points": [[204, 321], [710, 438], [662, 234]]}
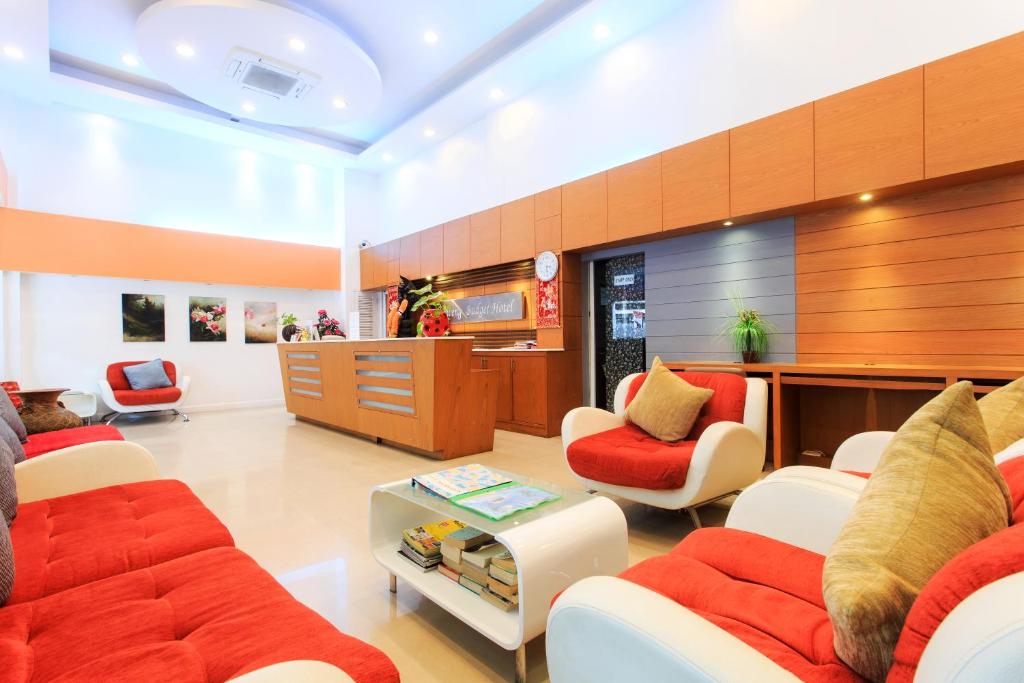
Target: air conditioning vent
{"points": [[252, 71]]}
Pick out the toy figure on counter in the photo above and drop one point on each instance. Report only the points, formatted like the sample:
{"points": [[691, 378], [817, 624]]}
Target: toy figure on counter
{"points": [[407, 297], [395, 317]]}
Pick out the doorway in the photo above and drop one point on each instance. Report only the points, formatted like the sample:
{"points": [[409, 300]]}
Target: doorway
{"points": [[619, 324]]}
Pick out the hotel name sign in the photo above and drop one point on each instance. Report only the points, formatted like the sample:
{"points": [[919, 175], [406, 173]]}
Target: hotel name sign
{"points": [[487, 308]]}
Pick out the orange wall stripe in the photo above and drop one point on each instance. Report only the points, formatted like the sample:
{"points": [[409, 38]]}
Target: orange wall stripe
{"points": [[52, 243]]}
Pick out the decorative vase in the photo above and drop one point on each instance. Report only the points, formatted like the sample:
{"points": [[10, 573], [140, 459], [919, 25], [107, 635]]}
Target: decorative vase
{"points": [[435, 323], [751, 357], [288, 331]]}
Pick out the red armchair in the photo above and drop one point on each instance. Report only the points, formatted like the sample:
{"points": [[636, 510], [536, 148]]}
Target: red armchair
{"points": [[118, 394]]}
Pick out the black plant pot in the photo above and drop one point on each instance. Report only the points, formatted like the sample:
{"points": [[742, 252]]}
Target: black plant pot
{"points": [[287, 331], [751, 357]]}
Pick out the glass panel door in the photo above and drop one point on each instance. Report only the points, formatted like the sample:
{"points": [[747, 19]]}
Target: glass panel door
{"points": [[620, 328]]}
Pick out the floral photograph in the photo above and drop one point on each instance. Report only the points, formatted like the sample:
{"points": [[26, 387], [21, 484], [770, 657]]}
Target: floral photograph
{"points": [[260, 322], [207, 319], [142, 317]]}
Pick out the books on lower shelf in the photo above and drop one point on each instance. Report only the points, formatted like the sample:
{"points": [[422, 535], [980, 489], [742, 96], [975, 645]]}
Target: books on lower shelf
{"points": [[487, 569], [422, 544]]}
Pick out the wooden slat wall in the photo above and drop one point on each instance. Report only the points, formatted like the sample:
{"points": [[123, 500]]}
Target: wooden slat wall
{"points": [[932, 278]]}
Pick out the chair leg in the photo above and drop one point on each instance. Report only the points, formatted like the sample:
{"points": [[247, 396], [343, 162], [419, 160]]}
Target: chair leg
{"points": [[111, 420], [693, 517], [184, 417]]}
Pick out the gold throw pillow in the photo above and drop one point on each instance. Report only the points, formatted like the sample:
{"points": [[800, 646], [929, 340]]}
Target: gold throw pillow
{"points": [[1003, 412], [666, 406], [934, 492]]}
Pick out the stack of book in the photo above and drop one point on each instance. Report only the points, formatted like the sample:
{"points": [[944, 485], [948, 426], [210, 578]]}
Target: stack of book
{"points": [[468, 558], [422, 544]]}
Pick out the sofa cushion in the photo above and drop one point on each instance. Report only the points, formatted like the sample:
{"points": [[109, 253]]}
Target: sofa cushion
{"points": [[1013, 472], [1003, 412], [148, 375], [8, 436], [8, 486], [65, 542], [666, 405], [206, 617], [145, 397], [763, 592], [9, 388], [725, 405], [118, 381], [935, 493], [6, 565], [9, 414], [629, 456], [45, 442]]}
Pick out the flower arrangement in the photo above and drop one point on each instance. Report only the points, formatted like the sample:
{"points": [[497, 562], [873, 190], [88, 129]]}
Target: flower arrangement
{"points": [[748, 332], [434, 318], [207, 320], [327, 325]]}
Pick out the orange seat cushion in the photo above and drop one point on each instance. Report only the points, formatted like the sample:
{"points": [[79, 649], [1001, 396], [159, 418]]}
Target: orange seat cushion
{"points": [[60, 543], [762, 591], [143, 397], [44, 442], [202, 618], [629, 456], [119, 382]]}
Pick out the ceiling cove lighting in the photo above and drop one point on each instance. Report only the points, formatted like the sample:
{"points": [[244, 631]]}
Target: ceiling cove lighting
{"points": [[429, 132], [386, 157], [866, 197], [497, 94], [185, 50], [297, 44], [339, 103], [248, 106], [14, 52], [430, 37], [129, 59], [602, 31]]}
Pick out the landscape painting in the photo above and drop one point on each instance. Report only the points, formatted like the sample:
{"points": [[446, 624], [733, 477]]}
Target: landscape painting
{"points": [[207, 319], [142, 317], [260, 322]]}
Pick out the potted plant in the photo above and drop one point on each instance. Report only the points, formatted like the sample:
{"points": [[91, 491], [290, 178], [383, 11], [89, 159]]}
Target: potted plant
{"points": [[290, 327], [434, 316], [328, 327], [748, 332]]}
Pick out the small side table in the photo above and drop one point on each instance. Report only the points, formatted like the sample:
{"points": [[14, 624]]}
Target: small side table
{"points": [[40, 411], [81, 403]]}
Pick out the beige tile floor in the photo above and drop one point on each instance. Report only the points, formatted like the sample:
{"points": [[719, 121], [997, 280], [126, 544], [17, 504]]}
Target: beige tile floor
{"points": [[296, 498]]}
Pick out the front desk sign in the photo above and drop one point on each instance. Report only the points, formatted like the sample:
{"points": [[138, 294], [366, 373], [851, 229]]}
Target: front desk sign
{"points": [[487, 308]]}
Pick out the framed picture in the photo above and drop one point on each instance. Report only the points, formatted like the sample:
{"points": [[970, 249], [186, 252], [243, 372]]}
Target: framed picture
{"points": [[207, 319], [260, 322], [142, 317]]}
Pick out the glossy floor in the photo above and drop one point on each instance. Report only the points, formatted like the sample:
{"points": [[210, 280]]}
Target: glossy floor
{"points": [[295, 497]]}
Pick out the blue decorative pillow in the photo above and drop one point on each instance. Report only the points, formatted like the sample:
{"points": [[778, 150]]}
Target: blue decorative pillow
{"points": [[149, 375]]}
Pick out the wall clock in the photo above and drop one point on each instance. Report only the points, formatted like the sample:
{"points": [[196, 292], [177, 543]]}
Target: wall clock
{"points": [[546, 266]]}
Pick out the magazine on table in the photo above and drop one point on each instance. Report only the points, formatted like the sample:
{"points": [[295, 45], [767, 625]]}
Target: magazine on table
{"points": [[459, 481], [501, 501]]}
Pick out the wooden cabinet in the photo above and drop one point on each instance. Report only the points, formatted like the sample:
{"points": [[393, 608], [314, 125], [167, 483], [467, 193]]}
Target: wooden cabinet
{"points": [[870, 137], [485, 238], [771, 162], [535, 388], [973, 113], [585, 212], [634, 199], [432, 251], [409, 256], [367, 269], [381, 274], [695, 182], [456, 245], [517, 239]]}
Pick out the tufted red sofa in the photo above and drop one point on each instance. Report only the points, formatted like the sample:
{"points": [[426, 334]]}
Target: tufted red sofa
{"points": [[45, 442], [141, 582]]}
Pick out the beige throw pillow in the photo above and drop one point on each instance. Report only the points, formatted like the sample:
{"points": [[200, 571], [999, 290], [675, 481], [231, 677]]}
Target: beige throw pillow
{"points": [[1003, 412], [935, 492], [666, 406]]}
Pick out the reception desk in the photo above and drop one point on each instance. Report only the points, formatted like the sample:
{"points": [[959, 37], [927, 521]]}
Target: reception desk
{"points": [[418, 394]]}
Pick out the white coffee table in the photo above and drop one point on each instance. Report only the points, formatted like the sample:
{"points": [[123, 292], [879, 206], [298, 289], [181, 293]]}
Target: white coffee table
{"points": [[554, 546]]}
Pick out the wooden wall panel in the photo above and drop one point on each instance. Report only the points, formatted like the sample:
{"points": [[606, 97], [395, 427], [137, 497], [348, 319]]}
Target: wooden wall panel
{"points": [[634, 199], [367, 269], [485, 238], [548, 234], [870, 137], [517, 230], [937, 278], [695, 182], [771, 162], [972, 109], [432, 250], [585, 212], [410, 264], [456, 245], [381, 270], [547, 203]]}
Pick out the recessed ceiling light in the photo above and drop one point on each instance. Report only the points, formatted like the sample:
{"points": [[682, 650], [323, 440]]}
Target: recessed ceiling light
{"points": [[727, 223], [339, 103], [429, 132], [297, 44], [601, 31], [248, 106], [497, 93], [866, 197], [386, 156], [430, 37], [185, 50], [14, 52], [130, 59]]}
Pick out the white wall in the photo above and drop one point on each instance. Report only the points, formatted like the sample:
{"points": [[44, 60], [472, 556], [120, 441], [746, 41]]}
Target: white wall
{"points": [[70, 330], [713, 65]]}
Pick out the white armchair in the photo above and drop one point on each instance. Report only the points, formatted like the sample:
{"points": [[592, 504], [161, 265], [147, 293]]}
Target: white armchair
{"points": [[118, 396], [727, 457]]}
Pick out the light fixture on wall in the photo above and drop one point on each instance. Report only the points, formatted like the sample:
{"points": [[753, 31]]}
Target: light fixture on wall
{"points": [[130, 59], [727, 224], [430, 37], [866, 197], [14, 52], [185, 50]]}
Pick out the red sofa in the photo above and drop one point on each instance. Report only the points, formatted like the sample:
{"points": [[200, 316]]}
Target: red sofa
{"points": [[139, 581], [46, 442]]}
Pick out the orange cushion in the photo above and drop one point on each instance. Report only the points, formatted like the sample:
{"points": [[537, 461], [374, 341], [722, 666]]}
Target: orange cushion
{"points": [[629, 456], [725, 405], [144, 397], [44, 442], [117, 380], [762, 591]]}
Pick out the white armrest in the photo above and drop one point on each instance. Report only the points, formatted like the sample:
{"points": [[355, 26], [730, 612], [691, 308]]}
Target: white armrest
{"points": [[81, 468], [729, 456], [621, 390], [860, 453], [1010, 452], [605, 630], [305, 670], [581, 422], [802, 506], [184, 382], [107, 394]]}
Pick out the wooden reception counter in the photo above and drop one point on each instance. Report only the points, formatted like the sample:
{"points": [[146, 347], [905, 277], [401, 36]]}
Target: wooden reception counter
{"points": [[419, 394]]}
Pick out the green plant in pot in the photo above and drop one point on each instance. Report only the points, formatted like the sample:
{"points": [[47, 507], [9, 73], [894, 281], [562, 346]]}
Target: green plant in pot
{"points": [[289, 321], [748, 332], [433, 307]]}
